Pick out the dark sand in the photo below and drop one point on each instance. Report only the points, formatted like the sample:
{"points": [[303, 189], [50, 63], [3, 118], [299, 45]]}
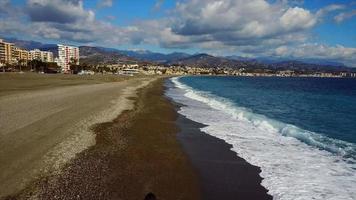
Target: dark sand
{"points": [[138, 153], [135, 154], [222, 174], [44, 123]]}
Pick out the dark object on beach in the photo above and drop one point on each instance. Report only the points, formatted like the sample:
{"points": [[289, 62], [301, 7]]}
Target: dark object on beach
{"points": [[150, 196]]}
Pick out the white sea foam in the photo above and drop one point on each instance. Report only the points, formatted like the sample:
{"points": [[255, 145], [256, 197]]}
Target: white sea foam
{"points": [[295, 163]]}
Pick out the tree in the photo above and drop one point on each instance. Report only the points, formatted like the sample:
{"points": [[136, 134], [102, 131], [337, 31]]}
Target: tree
{"points": [[52, 67], [36, 65], [9, 66], [2, 63], [84, 66], [46, 67], [21, 63], [74, 67]]}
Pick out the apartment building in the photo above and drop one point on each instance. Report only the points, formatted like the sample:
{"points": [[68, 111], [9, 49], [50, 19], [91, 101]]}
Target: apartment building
{"points": [[66, 56], [19, 54], [6, 52], [44, 56]]}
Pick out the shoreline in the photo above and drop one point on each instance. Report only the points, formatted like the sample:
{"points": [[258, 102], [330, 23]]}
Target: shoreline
{"points": [[260, 135], [135, 154], [151, 148], [222, 173]]}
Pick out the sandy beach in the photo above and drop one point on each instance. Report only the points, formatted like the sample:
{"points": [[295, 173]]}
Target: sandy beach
{"points": [[132, 155], [112, 139], [45, 121]]}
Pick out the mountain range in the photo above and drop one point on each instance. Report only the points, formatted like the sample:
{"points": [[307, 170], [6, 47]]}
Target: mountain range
{"points": [[153, 56], [102, 55]]}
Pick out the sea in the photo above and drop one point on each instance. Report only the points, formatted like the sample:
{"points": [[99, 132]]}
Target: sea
{"points": [[301, 132]]}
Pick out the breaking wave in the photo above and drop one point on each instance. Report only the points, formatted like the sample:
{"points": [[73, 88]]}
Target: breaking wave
{"points": [[295, 163]]}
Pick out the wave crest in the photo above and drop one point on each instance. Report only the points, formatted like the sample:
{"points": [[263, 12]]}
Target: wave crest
{"points": [[341, 148], [291, 166]]}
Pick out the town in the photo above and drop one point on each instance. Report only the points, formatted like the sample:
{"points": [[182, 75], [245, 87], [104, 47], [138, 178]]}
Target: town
{"points": [[177, 99], [12, 57], [66, 60]]}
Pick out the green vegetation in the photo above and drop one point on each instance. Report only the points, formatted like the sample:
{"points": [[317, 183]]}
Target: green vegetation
{"points": [[33, 66]]}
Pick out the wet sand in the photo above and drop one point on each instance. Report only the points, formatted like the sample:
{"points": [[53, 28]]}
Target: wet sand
{"points": [[222, 174], [147, 148], [135, 154]]}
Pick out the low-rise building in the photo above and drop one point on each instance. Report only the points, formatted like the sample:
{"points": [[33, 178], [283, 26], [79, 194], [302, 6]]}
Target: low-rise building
{"points": [[20, 55], [44, 56], [286, 73]]}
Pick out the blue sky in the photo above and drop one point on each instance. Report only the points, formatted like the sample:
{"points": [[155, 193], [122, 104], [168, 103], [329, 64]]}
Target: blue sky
{"points": [[332, 33], [127, 11], [322, 29]]}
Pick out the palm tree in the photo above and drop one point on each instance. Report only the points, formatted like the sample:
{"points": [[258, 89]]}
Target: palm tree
{"points": [[21, 63], [73, 65]]}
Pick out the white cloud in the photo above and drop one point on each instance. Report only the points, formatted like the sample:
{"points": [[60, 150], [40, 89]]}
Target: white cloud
{"points": [[339, 53], [3, 5], [237, 22], [58, 11], [330, 8], [281, 51], [105, 3], [253, 28], [158, 5], [297, 18], [344, 16], [198, 23], [65, 21]]}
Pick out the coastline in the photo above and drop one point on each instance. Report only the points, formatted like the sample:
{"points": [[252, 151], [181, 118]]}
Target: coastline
{"points": [[151, 148], [135, 154], [239, 112], [222, 174]]}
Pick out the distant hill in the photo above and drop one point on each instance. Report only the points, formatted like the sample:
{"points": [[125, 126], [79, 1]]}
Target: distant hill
{"points": [[29, 45], [97, 55], [274, 60], [328, 62], [102, 55], [303, 66], [145, 55], [209, 61], [203, 60], [240, 58], [89, 55], [52, 48]]}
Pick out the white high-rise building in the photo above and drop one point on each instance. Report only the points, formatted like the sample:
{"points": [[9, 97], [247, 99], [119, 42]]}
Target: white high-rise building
{"points": [[66, 56]]}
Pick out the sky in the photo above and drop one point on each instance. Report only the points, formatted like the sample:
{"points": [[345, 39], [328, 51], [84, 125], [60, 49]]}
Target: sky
{"points": [[304, 29]]}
